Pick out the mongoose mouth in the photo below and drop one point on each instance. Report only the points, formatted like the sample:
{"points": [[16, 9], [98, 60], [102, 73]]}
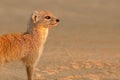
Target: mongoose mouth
{"points": [[52, 25], [55, 23]]}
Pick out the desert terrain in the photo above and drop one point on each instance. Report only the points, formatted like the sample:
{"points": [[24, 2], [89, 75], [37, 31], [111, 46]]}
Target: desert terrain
{"points": [[84, 46]]}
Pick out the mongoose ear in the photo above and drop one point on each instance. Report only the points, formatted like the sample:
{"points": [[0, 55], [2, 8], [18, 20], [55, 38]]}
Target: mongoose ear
{"points": [[34, 16]]}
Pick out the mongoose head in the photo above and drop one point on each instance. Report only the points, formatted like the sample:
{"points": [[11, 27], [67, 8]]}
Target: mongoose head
{"points": [[44, 19]]}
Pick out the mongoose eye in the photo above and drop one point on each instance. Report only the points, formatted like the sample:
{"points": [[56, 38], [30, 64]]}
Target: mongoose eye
{"points": [[47, 17]]}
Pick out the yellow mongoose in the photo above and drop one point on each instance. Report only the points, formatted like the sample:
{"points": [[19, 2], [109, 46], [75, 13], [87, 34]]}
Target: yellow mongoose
{"points": [[28, 46]]}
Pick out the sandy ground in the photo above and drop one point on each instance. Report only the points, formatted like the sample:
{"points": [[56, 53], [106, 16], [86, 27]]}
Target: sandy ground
{"points": [[85, 45]]}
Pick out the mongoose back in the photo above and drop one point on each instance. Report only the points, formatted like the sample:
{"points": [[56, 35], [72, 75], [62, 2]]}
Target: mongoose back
{"points": [[28, 46]]}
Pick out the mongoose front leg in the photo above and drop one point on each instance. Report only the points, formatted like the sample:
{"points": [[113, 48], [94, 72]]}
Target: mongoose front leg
{"points": [[30, 71]]}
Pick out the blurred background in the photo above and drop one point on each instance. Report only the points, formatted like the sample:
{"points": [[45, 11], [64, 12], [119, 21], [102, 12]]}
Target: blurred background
{"points": [[88, 29]]}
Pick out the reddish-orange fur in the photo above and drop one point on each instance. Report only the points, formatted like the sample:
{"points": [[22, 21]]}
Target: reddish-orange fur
{"points": [[27, 46]]}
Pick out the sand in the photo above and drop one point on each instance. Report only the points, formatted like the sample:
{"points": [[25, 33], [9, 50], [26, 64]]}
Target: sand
{"points": [[84, 46]]}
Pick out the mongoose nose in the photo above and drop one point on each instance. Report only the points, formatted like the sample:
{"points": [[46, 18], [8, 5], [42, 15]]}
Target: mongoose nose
{"points": [[57, 20]]}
